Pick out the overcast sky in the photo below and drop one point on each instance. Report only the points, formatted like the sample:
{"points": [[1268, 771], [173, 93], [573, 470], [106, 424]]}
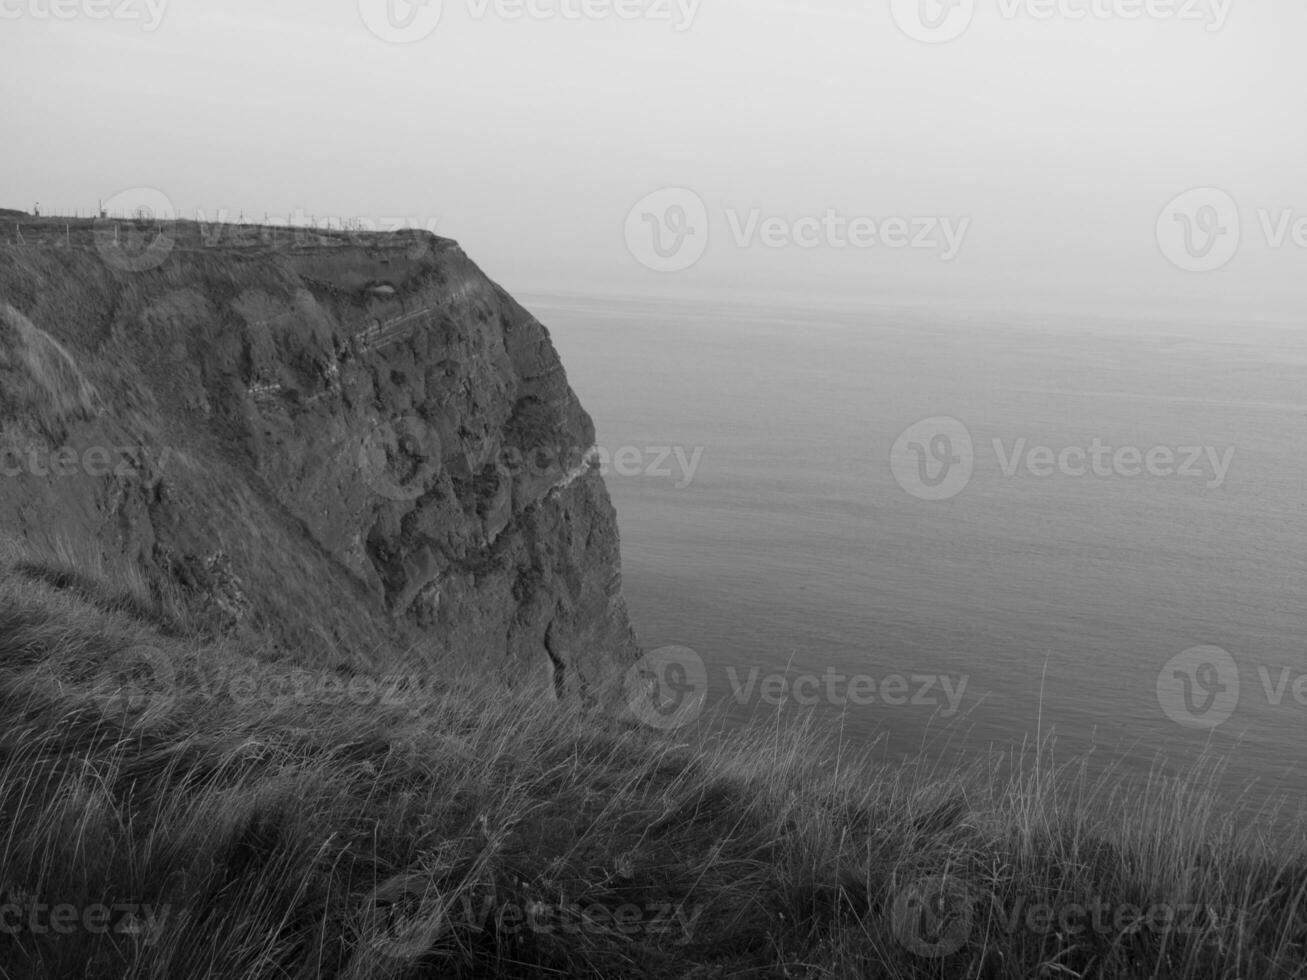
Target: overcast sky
{"points": [[1026, 152]]}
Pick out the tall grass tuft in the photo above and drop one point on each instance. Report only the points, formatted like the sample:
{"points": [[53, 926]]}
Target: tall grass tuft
{"points": [[175, 808]]}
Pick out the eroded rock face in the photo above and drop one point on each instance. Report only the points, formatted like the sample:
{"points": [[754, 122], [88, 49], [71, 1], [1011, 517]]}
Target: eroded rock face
{"points": [[372, 441]]}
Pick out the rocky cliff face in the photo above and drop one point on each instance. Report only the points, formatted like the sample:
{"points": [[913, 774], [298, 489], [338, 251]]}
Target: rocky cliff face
{"points": [[341, 442]]}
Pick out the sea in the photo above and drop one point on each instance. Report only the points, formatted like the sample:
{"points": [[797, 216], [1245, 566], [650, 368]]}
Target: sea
{"points": [[967, 531]]}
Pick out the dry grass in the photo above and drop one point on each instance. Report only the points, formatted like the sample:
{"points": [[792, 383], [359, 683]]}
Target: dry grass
{"points": [[265, 823], [39, 380]]}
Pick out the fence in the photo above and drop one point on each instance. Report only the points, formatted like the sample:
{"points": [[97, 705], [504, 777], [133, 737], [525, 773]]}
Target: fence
{"points": [[222, 216], [84, 228]]}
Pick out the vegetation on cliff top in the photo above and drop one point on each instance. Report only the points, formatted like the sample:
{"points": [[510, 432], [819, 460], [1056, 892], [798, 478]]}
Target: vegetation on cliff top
{"points": [[177, 807]]}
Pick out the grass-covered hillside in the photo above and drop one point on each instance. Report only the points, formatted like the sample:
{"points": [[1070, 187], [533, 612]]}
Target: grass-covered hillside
{"points": [[176, 807]]}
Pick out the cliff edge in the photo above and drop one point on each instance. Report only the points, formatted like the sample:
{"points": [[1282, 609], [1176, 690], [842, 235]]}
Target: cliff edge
{"points": [[338, 441]]}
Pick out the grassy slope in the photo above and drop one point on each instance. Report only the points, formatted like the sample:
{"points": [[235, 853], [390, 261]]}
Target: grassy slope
{"points": [[280, 834], [260, 821]]}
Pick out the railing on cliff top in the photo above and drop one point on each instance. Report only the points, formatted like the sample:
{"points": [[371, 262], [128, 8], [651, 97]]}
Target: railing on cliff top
{"points": [[60, 227]]}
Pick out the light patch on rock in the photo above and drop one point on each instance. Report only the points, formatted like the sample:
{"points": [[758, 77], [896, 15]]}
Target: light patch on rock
{"points": [[588, 462]]}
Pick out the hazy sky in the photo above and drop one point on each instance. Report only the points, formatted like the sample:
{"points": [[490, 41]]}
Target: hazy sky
{"points": [[1034, 158]]}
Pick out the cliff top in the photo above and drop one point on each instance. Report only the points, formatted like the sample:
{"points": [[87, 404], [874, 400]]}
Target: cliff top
{"points": [[126, 232]]}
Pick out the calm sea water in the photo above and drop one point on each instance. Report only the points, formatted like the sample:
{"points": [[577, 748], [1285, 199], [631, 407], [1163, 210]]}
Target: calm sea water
{"points": [[794, 549]]}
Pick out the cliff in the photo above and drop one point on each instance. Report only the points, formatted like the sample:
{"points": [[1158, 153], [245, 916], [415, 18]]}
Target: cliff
{"points": [[342, 442]]}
